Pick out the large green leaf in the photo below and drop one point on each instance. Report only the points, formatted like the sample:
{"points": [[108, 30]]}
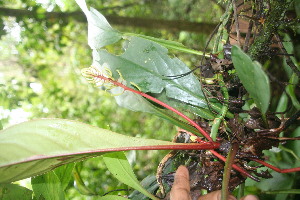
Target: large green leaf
{"points": [[254, 79], [153, 57], [35, 147], [118, 165], [101, 33], [146, 64]]}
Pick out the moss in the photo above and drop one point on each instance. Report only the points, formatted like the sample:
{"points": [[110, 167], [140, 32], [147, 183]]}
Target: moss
{"points": [[269, 27]]}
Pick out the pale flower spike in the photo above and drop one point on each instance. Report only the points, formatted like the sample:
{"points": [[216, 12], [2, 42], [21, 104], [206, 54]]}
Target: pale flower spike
{"points": [[100, 77]]}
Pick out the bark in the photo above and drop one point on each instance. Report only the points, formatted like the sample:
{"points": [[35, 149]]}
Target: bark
{"points": [[171, 25], [270, 26]]}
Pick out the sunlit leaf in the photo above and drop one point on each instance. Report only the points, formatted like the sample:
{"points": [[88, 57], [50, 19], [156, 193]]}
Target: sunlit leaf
{"points": [[119, 166], [49, 186], [14, 191], [35, 147], [112, 197], [253, 78]]}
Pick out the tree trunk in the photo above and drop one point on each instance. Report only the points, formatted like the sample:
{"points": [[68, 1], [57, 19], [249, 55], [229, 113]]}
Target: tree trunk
{"points": [[171, 25]]}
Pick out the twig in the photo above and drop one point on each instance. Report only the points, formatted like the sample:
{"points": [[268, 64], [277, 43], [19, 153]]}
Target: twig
{"points": [[234, 166], [218, 119], [227, 170], [248, 35], [238, 35]]}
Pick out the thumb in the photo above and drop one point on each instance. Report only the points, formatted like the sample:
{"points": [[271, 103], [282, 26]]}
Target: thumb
{"points": [[181, 187]]}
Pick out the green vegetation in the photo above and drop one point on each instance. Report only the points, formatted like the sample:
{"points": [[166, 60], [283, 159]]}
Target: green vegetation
{"points": [[48, 49]]}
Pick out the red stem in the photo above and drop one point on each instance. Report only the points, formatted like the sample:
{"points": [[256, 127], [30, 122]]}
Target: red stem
{"points": [[239, 169], [212, 145], [296, 169], [234, 166], [203, 132], [67, 156]]}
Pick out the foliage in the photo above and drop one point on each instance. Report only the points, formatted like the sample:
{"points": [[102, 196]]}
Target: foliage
{"points": [[72, 98], [253, 78]]}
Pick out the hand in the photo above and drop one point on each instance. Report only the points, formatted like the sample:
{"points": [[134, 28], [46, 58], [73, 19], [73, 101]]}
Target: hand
{"points": [[181, 188]]}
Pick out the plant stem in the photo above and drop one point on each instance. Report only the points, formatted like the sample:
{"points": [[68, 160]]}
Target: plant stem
{"points": [[234, 166], [82, 188], [211, 144], [289, 191], [289, 151], [220, 117], [241, 191], [169, 44], [224, 19], [227, 170], [202, 131], [296, 169], [265, 120]]}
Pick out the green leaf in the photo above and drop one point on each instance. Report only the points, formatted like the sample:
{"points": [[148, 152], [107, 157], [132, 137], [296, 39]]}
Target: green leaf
{"points": [[253, 78], [150, 72], [294, 146], [119, 166], [49, 186], [112, 197], [149, 183], [282, 104], [100, 33], [64, 173], [290, 89], [14, 191], [35, 147], [81, 187], [290, 191]]}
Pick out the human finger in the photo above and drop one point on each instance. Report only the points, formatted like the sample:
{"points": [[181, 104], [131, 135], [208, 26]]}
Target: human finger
{"points": [[181, 187], [250, 197], [216, 195]]}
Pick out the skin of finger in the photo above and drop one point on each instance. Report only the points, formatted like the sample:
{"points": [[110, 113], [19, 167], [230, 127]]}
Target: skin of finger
{"points": [[250, 197], [181, 186], [216, 195]]}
